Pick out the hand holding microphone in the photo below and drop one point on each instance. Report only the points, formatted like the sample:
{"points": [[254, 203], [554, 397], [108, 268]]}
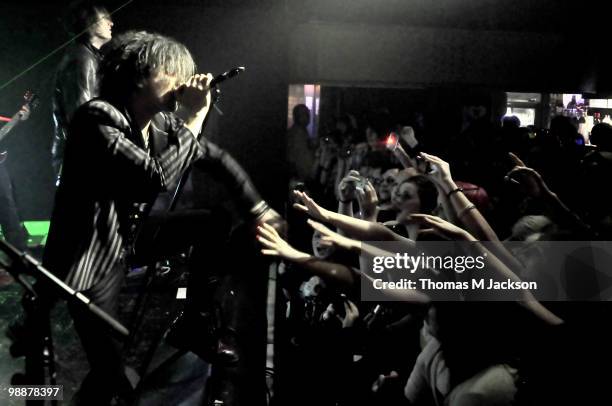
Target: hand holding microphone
{"points": [[194, 95]]}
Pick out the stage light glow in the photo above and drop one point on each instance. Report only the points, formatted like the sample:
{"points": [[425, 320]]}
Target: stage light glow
{"points": [[391, 141]]}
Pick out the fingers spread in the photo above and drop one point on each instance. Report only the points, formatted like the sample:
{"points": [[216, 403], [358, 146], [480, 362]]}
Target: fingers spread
{"points": [[265, 242], [267, 233], [270, 228]]}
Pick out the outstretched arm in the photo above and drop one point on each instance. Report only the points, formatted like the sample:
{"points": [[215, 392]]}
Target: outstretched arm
{"points": [[499, 268], [275, 245], [534, 185], [330, 237], [467, 214], [355, 228], [195, 99]]}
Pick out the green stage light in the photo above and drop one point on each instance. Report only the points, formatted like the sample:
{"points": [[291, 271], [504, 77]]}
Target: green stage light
{"points": [[37, 228]]}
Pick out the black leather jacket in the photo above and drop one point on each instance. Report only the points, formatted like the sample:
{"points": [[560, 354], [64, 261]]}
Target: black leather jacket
{"points": [[76, 82]]}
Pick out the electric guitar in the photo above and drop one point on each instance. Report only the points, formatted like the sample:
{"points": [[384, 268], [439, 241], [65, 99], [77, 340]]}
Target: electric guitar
{"points": [[31, 102]]}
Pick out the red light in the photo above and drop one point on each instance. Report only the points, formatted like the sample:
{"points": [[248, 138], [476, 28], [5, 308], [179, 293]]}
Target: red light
{"points": [[391, 141], [7, 119]]}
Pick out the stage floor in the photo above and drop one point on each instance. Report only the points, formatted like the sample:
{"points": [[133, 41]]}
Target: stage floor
{"points": [[72, 365]]}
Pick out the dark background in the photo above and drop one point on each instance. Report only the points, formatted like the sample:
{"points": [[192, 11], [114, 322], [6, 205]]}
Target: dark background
{"points": [[543, 46]]}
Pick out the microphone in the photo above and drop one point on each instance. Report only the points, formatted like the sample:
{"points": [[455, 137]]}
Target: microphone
{"points": [[226, 75], [215, 81]]}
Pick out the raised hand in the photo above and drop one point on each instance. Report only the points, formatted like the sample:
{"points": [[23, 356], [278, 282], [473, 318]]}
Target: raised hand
{"points": [[368, 202], [347, 189], [528, 179], [272, 218], [310, 207], [331, 238], [351, 314], [440, 170], [194, 95], [516, 160], [274, 245]]}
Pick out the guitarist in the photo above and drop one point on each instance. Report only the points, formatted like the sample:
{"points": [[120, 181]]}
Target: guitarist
{"points": [[76, 79], [12, 229]]}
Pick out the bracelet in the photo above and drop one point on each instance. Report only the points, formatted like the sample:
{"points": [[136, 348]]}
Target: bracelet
{"points": [[259, 209], [456, 190], [465, 210]]}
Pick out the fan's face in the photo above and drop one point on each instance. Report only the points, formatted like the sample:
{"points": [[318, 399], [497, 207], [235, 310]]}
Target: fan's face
{"points": [[406, 198]]}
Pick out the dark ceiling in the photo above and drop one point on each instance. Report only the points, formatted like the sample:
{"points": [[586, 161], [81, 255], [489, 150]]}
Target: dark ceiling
{"points": [[581, 17], [512, 15]]}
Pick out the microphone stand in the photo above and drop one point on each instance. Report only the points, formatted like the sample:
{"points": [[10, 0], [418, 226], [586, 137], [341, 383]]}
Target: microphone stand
{"points": [[26, 261], [37, 340]]}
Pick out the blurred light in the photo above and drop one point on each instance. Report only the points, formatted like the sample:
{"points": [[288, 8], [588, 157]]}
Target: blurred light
{"points": [[391, 141]]}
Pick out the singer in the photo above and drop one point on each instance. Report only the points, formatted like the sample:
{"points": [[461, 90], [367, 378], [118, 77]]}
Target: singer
{"points": [[124, 148]]}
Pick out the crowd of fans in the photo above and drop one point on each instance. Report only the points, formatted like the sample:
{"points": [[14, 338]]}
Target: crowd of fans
{"points": [[494, 181]]}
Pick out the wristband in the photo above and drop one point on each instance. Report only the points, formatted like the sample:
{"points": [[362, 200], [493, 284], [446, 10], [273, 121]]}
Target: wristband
{"points": [[465, 210], [259, 209], [456, 190]]}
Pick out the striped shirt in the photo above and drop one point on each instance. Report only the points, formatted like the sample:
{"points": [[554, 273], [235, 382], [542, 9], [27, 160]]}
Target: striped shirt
{"points": [[107, 171]]}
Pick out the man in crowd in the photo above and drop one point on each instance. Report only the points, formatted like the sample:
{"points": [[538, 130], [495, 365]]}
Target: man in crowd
{"points": [[299, 151]]}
